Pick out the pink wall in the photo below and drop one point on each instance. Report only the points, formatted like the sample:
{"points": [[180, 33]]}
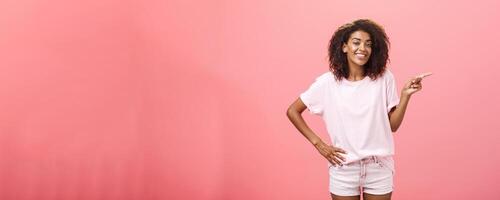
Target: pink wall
{"points": [[186, 100]]}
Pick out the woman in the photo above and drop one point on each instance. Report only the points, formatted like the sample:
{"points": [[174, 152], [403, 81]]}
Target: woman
{"points": [[357, 99]]}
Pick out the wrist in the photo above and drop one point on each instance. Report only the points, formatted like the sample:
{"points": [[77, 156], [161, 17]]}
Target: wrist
{"points": [[315, 141], [405, 96]]}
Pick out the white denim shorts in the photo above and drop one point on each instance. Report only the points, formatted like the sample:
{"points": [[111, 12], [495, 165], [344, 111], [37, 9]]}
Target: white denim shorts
{"points": [[372, 175]]}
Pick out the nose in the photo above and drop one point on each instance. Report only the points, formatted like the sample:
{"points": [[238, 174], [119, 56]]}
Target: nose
{"points": [[362, 47]]}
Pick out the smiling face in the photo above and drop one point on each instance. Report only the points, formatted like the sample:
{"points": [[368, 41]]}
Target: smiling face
{"points": [[358, 48]]}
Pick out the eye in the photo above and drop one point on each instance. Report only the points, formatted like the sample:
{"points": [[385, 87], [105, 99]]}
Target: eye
{"points": [[369, 44], [356, 43]]}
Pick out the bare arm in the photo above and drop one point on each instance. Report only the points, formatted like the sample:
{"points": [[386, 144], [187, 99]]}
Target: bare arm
{"points": [[294, 113], [397, 114]]}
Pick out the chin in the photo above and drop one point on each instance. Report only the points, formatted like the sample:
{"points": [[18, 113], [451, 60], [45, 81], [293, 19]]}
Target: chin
{"points": [[361, 63]]}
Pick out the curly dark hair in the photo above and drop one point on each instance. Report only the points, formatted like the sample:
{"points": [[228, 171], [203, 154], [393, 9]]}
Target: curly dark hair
{"points": [[376, 64]]}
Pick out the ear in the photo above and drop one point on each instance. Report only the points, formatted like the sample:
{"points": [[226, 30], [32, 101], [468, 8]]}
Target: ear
{"points": [[344, 47]]}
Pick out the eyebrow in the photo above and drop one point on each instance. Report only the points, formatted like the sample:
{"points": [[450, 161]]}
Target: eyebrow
{"points": [[360, 39]]}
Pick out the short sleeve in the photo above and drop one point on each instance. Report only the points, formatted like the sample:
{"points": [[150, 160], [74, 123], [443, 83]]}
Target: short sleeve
{"points": [[314, 96], [392, 91]]}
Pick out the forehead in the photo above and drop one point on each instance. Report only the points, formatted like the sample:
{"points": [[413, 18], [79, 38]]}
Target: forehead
{"points": [[359, 34]]}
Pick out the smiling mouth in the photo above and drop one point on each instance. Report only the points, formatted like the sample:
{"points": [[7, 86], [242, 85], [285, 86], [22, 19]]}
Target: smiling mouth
{"points": [[360, 55]]}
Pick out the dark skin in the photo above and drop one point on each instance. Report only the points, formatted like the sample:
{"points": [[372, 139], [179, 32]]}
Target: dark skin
{"points": [[358, 50]]}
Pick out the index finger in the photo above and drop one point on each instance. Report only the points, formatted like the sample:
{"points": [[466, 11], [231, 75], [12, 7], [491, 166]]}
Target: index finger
{"points": [[424, 75]]}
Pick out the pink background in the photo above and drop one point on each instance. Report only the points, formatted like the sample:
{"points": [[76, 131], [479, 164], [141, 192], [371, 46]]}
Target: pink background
{"points": [[109, 99]]}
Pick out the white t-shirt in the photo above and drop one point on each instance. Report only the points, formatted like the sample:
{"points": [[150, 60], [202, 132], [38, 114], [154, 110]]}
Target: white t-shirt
{"points": [[355, 113]]}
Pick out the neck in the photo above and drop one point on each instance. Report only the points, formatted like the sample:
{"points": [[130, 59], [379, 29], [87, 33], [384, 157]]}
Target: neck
{"points": [[356, 72]]}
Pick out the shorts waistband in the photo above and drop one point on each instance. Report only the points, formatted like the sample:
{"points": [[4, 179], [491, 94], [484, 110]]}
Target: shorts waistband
{"points": [[368, 159]]}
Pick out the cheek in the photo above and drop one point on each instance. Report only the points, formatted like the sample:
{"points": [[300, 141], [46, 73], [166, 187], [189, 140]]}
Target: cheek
{"points": [[352, 49]]}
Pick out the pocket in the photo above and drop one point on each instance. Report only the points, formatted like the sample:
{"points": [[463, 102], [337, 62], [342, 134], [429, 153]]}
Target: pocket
{"points": [[388, 163]]}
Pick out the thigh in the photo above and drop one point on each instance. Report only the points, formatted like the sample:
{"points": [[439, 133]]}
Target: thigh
{"points": [[335, 197], [367, 196]]}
